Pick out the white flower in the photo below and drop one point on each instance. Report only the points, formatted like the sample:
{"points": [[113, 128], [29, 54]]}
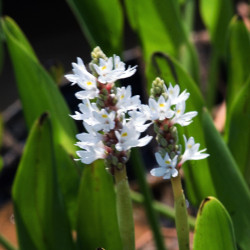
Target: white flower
{"points": [[104, 69], [138, 119], [180, 117], [84, 80], [191, 151], [87, 108], [91, 138], [160, 109], [129, 137], [119, 66], [125, 101], [111, 72], [173, 94], [91, 153], [167, 167], [104, 120]]}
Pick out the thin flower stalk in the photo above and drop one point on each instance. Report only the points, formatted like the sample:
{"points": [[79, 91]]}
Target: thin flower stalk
{"points": [[166, 109], [113, 122]]}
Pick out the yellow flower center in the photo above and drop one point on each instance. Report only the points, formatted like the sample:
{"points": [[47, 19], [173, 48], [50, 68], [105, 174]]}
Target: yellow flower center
{"points": [[104, 116], [124, 134], [189, 146], [178, 111], [104, 67], [167, 162], [171, 92], [162, 105], [89, 83], [122, 96]]}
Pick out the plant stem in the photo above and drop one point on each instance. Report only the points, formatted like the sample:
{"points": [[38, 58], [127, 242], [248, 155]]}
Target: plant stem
{"points": [[161, 208], [124, 209], [181, 218], [147, 198], [5, 243]]}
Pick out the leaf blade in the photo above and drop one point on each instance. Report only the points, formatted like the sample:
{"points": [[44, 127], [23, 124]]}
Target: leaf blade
{"points": [[101, 22], [96, 218], [213, 222], [39, 212]]}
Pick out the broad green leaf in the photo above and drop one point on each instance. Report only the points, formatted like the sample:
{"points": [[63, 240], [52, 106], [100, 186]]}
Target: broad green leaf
{"points": [[216, 15], [213, 227], [238, 55], [238, 130], [97, 224], [171, 71], [39, 93], [231, 189], [40, 216], [101, 22], [164, 32]]}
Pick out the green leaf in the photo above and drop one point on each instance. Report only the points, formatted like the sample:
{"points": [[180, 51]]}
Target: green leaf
{"points": [[169, 36], [231, 189], [216, 15], [40, 216], [170, 70], [213, 228], [238, 130], [97, 224], [238, 48], [101, 22], [38, 94]]}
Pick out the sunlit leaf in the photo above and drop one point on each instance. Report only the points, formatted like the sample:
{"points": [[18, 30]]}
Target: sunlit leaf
{"points": [[101, 22], [39, 93], [40, 216], [231, 189], [238, 130], [97, 224], [160, 28], [213, 228], [238, 58]]}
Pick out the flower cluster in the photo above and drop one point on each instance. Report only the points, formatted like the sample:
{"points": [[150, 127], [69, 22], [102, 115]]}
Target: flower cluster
{"points": [[166, 109], [112, 117]]}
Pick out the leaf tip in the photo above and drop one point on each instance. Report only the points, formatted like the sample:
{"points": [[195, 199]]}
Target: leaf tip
{"points": [[207, 199], [43, 118]]}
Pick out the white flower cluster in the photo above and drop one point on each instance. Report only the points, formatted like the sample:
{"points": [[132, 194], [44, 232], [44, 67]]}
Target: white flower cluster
{"points": [[111, 115], [114, 119], [166, 109]]}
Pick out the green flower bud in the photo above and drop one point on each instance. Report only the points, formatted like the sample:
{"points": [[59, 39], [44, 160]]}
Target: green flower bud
{"points": [[163, 142], [96, 54]]}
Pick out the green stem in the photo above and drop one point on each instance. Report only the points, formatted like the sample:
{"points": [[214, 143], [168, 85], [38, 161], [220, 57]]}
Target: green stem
{"points": [[181, 218], [164, 210], [124, 209], [6, 244], [147, 199]]}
